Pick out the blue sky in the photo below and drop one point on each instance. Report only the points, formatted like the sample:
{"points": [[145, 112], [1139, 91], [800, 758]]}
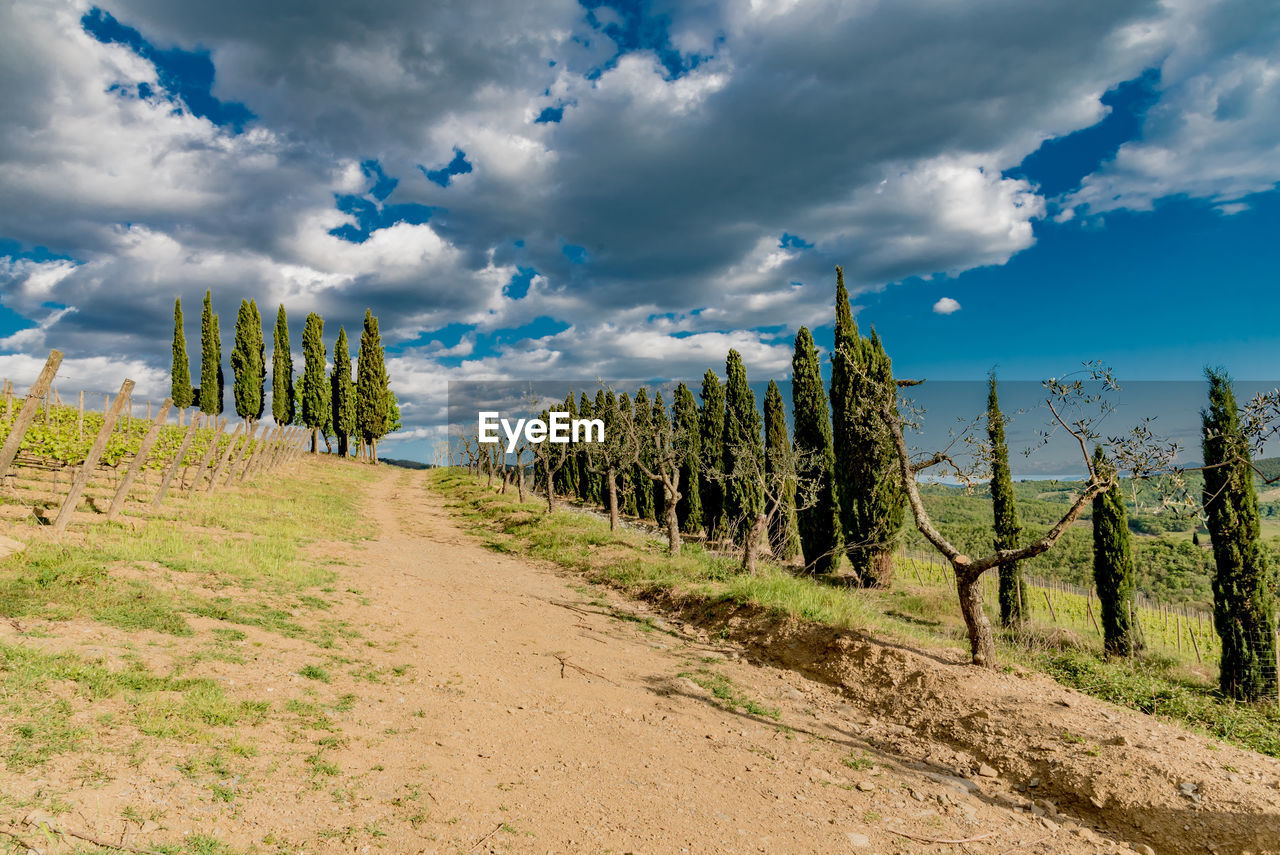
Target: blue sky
{"points": [[627, 189]]}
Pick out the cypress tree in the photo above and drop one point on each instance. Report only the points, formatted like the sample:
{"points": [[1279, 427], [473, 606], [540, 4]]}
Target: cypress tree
{"points": [[247, 358], [371, 386], [743, 450], [1013, 593], [777, 448], [711, 440], [657, 421], [684, 417], [1113, 571], [210, 361], [868, 483], [567, 475], [603, 408], [315, 391], [819, 522], [640, 483], [282, 407], [180, 389], [626, 483], [342, 394], [1243, 586], [588, 483]]}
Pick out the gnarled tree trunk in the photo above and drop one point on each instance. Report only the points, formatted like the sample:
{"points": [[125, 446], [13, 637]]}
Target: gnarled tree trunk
{"points": [[982, 643]]}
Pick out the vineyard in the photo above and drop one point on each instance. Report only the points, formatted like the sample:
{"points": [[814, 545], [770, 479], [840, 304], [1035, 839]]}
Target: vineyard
{"points": [[1180, 633], [61, 463]]}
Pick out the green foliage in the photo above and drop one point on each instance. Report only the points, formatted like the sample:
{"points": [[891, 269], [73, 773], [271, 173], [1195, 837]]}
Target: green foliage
{"points": [[567, 474], [642, 420], [818, 521], [684, 416], [181, 371], [282, 405], [868, 483], [1243, 586], [711, 440], [742, 449], [1013, 594], [371, 383], [626, 479], [1113, 571], [342, 393], [658, 426], [783, 538], [393, 412], [315, 391], [588, 482], [210, 360], [248, 357]]}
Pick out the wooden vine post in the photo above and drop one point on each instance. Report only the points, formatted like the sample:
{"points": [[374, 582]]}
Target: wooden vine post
{"points": [[226, 458], [91, 461], [208, 454], [29, 409], [117, 502], [177, 460]]}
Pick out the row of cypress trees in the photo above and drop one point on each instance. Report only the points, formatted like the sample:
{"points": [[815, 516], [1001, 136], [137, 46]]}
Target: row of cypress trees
{"points": [[854, 502], [331, 404]]}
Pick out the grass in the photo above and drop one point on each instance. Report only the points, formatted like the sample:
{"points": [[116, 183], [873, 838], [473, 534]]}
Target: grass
{"points": [[237, 557], [926, 615]]}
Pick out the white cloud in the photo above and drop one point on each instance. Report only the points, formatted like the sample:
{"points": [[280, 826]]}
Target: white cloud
{"points": [[946, 306]]}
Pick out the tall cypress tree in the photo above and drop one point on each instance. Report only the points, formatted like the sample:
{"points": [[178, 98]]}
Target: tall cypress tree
{"points": [[180, 388], [603, 409], [210, 361], [342, 394], [626, 479], [315, 391], [783, 538], [868, 483], [743, 450], [1243, 584], [247, 362], [371, 386], [657, 422], [711, 438], [282, 407], [642, 418], [588, 482], [567, 475], [684, 417], [1013, 593], [1113, 571], [819, 521]]}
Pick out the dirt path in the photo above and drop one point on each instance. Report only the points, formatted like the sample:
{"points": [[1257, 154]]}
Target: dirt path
{"points": [[480, 702], [555, 719]]}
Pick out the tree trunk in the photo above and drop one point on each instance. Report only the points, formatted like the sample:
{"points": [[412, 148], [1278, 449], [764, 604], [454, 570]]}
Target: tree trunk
{"points": [[751, 549], [673, 525], [546, 467], [520, 477], [373, 451], [982, 643], [342, 446], [613, 499], [315, 440]]}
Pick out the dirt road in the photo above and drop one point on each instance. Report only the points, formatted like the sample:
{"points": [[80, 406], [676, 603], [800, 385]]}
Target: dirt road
{"points": [[500, 705]]}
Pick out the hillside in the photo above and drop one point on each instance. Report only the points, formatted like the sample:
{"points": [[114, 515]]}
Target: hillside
{"points": [[355, 659]]}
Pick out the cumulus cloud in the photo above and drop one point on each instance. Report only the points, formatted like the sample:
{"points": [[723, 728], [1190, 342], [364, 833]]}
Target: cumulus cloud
{"points": [[946, 306], [648, 222]]}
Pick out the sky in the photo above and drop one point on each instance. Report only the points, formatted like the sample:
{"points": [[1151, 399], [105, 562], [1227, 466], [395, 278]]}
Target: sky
{"points": [[577, 189]]}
